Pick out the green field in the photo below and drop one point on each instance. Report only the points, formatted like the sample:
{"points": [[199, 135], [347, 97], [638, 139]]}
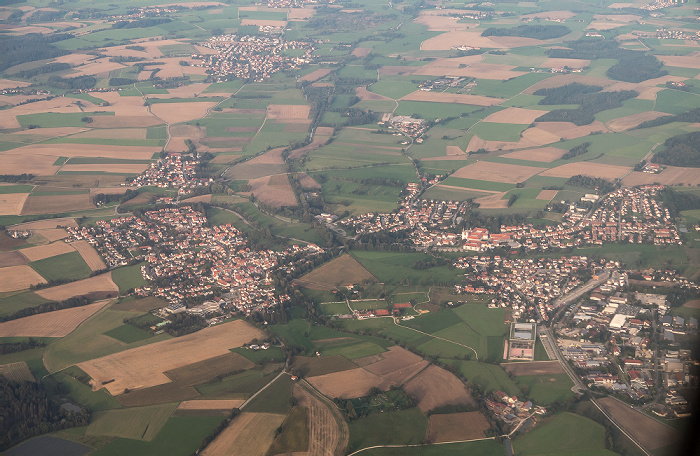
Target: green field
{"points": [[391, 428], [396, 268], [128, 277], [68, 266], [545, 389], [73, 382], [481, 448], [554, 436], [272, 354], [276, 398], [13, 302], [128, 334], [137, 423]]}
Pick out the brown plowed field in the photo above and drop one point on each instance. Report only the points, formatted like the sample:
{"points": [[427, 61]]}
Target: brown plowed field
{"points": [[515, 116], [348, 384], [539, 137], [497, 172], [627, 122], [307, 181], [144, 366], [12, 258], [435, 97], [16, 278], [543, 154], [274, 190], [454, 427], [12, 203], [17, 372], [315, 75], [439, 21], [288, 111], [342, 271], [89, 254], [51, 324], [267, 164], [45, 251], [454, 150], [87, 150], [328, 431], [249, 434], [649, 432], [534, 368], [587, 169], [396, 358], [210, 404], [361, 52], [51, 204], [300, 14], [494, 201], [672, 175], [435, 387], [445, 41], [365, 95]]}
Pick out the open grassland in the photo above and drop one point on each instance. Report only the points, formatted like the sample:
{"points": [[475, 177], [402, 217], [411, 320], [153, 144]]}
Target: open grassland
{"points": [[12, 302], [453, 427], [545, 389], [128, 277], [68, 266], [138, 423], [390, 428], [553, 436], [51, 324], [248, 434], [147, 365], [435, 387], [487, 377], [394, 267]]}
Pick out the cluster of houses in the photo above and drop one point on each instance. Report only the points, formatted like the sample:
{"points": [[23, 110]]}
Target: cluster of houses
{"points": [[447, 81], [186, 260], [510, 410], [254, 58], [675, 35], [173, 171], [409, 126], [528, 286]]}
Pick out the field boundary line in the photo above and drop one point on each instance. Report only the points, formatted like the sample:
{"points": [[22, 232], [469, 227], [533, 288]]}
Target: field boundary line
{"points": [[436, 337], [421, 444]]}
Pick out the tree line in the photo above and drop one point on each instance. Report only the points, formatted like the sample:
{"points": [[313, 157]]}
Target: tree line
{"points": [[589, 98], [681, 150]]}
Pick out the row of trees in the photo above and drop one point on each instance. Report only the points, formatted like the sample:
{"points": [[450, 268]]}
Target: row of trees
{"points": [[589, 98]]}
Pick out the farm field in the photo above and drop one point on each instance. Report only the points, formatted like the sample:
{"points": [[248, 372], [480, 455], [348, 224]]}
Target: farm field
{"points": [[58, 323], [248, 433]]}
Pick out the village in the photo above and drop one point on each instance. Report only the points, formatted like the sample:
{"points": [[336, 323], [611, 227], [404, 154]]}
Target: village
{"points": [[188, 262], [253, 58], [173, 171]]}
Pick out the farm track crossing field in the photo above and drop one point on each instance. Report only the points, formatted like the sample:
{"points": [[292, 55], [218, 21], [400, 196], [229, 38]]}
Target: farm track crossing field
{"points": [[453, 427], [248, 434], [58, 323], [649, 432], [146, 365]]}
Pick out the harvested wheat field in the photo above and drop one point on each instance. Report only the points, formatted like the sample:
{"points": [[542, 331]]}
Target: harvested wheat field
{"points": [[85, 150], [361, 52], [534, 368], [10, 84], [142, 367], [649, 432], [497, 172], [365, 95], [12, 258], [46, 224], [173, 113], [477, 70], [267, 164], [435, 387], [435, 97], [494, 201], [300, 14], [14, 278], [568, 130], [439, 21], [288, 111], [546, 195], [672, 175], [98, 285], [588, 169], [515, 116], [691, 60], [342, 271], [454, 151], [40, 252], [123, 168], [477, 143], [249, 434], [210, 404], [17, 372], [396, 366], [59, 323], [307, 181], [315, 75], [347, 384], [627, 122], [543, 154], [51, 204], [89, 254], [198, 199], [446, 41], [273, 190], [20, 163], [328, 431], [12, 203], [453, 427]]}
